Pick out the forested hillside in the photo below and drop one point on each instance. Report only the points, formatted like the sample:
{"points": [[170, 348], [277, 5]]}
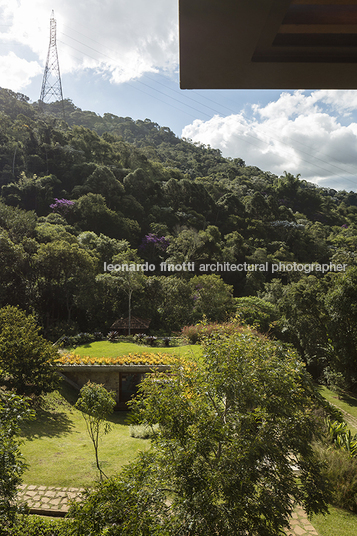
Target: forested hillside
{"points": [[88, 190]]}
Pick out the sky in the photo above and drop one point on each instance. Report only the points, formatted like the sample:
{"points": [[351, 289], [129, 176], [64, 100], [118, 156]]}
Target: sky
{"points": [[121, 57]]}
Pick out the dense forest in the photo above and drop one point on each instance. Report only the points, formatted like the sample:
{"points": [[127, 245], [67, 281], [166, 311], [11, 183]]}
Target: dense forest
{"points": [[79, 190]]}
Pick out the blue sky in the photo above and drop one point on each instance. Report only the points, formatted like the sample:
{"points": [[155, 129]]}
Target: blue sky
{"points": [[121, 57]]}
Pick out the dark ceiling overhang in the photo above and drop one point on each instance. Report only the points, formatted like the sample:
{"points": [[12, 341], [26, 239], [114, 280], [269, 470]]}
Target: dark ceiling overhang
{"points": [[268, 44]]}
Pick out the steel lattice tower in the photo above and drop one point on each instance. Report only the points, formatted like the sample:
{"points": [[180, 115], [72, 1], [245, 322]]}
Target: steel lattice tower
{"points": [[51, 83]]}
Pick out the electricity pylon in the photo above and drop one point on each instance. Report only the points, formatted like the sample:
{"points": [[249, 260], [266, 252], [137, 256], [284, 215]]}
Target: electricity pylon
{"points": [[51, 83]]}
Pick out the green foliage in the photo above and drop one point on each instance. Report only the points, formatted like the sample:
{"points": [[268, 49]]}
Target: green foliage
{"points": [[37, 526], [13, 410], [340, 469], [258, 313], [96, 404], [27, 360], [203, 330], [124, 506], [230, 430], [142, 431], [341, 437], [212, 298]]}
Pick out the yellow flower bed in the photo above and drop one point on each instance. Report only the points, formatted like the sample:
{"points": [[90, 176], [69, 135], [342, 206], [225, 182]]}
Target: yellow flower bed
{"points": [[145, 358]]}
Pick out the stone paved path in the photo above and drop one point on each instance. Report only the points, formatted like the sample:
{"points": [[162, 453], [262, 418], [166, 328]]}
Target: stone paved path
{"points": [[54, 501], [300, 525], [48, 498]]}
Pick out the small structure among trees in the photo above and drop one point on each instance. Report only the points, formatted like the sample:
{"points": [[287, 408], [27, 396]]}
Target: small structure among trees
{"points": [[132, 326]]}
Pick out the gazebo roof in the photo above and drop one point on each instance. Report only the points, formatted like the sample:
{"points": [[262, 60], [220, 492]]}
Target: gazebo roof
{"points": [[135, 323]]}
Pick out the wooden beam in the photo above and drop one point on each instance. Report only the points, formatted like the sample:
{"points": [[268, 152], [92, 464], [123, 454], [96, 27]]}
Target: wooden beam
{"points": [[318, 28], [321, 14], [316, 40]]}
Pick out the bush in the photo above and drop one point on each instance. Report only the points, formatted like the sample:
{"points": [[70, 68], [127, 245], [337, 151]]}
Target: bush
{"points": [[80, 338], [196, 334], [36, 526], [142, 431], [112, 336], [27, 360], [139, 338], [13, 410], [341, 472]]}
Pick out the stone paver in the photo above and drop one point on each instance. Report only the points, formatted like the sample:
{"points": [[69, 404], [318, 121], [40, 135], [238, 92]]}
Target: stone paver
{"points": [[53, 499], [300, 525], [48, 497]]}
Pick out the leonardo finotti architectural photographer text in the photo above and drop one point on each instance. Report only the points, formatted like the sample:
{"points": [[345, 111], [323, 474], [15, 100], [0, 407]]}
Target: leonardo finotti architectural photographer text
{"points": [[226, 267]]}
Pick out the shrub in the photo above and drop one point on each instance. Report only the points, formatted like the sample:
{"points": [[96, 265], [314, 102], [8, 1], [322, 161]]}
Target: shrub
{"points": [[140, 338], [27, 360], [80, 338], [112, 336], [124, 505], [36, 526], [13, 410], [341, 472], [142, 431], [200, 331]]}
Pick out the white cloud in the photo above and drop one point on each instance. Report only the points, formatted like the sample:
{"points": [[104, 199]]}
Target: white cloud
{"points": [[342, 101], [299, 132], [119, 38], [16, 73]]}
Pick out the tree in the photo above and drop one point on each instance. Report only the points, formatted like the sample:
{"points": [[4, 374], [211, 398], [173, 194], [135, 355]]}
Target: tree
{"points": [[27, 360], [260, 314], [66, 277], [13, 410], [230, 432], [212, 298], [129, 279], [341, 320], [96, 404]]}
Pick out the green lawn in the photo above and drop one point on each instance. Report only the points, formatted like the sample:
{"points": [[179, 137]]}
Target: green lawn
{"points": [[56, 445], [58, 449], [115, 349], [337, 523], [347, 403]]}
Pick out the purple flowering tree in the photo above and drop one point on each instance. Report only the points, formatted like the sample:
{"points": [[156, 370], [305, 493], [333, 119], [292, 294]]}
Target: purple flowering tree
{"points": [[62, 206], [152, 241]]}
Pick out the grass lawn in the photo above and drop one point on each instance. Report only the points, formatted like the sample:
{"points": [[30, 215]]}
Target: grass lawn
{"points": [[347, 403], [58, 449], [56, 445], [115, 349], [337, 523]]}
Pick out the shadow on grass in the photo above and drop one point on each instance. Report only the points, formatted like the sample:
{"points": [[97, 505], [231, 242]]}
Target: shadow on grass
{"points": [[48, 423], [53, 417], [119, 417], [345, 396], [349, 398]]}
